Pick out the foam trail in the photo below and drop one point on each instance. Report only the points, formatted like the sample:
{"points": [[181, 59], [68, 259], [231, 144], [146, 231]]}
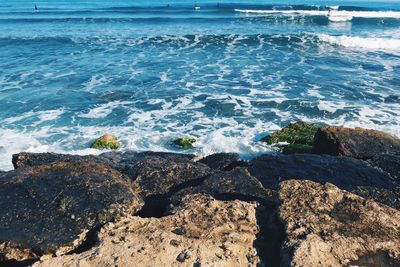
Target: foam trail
{"points": [[354, 14], [359, 42]]}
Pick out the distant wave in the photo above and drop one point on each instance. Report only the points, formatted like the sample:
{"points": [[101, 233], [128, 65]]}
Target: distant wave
{"points": [[339, 18], [190, 41], [366, 43], [336, 13]]}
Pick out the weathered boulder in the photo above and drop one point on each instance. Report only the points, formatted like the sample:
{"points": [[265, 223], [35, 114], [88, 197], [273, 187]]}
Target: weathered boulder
{"points": [[154, 175], [326, 226], [389, 163], [127, 159], [222, 161], [51, 208], [234, 184], [344, 172], [201, 232], [26, 159], [356, 143]]}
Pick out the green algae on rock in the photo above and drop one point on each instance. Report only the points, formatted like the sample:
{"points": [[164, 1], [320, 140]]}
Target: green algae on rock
{"points": [[185, 142], [106, 141], [299, 137]]}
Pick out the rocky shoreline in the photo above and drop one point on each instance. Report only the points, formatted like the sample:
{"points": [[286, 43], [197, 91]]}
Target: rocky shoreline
{"points": [[336, 205]]}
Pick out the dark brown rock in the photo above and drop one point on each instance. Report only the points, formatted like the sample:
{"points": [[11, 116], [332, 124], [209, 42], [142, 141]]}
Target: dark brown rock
{"points": [[356, 143], [344, 172], [326, 226], [26, 159], [51, 208], [128, 158], [389, 163], [235, 184], [222, 161], [154, 175]]}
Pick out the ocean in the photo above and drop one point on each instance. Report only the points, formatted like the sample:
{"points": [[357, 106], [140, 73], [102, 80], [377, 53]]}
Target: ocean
{"points": [[227, 72]]}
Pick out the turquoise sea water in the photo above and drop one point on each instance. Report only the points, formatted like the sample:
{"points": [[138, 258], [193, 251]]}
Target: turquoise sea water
{"points": [[226, 73]]}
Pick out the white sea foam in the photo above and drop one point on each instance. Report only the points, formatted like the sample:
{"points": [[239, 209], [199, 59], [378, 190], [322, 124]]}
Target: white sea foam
{"points": [[359, 42], [340, 18], [330, 106], [341, 13], [103, 110], [95, 80], [42, 116]]}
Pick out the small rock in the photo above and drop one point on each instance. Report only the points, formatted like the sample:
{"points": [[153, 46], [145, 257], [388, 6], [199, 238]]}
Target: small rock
{"points": [[174, 242], [184, 255], [356, 143], [185, 142], [106, 141]]}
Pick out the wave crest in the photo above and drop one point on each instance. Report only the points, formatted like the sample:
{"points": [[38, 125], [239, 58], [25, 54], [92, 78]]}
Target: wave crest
{"points": [[365, 43]]}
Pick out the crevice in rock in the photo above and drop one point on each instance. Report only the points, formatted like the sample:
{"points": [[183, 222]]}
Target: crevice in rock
{"points": [[90, 241], [156, 206], [272, 231], [15, 263], [271, 236]]}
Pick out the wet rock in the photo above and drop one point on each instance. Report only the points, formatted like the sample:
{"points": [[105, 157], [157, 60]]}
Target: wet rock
{"points": [[356, 143], [126, 160], [122, 161], [235, 184], [50, 208], [206, 223], [106, 141], [156, 175], [326, 226], [389, 197], [25, 159], [344, 172], [185, 142], [222, 161], [389, 163], [299, 138]]}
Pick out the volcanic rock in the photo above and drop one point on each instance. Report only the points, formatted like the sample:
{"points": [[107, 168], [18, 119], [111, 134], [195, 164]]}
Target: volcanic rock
{"points": [[201, 232], [235, 184], [26, 159], [154, 175], [326, 226], [51, 208], [356, 143], [222, 161], [344, 172], [389, 163]]}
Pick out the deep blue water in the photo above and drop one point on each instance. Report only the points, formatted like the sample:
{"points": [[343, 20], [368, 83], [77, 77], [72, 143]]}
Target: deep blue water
{"points": [[227, 73]]}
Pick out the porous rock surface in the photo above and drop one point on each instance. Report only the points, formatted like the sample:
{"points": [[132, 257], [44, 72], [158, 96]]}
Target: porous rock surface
{"points": [[222, 161], [234, 184], [201, 232], [356, 143], [50, 208], [344, 172], [326, 226]]}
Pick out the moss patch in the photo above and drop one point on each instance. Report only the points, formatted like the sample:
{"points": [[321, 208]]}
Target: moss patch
{"points": [[185, 142], [299, 136], [106, 141]]}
